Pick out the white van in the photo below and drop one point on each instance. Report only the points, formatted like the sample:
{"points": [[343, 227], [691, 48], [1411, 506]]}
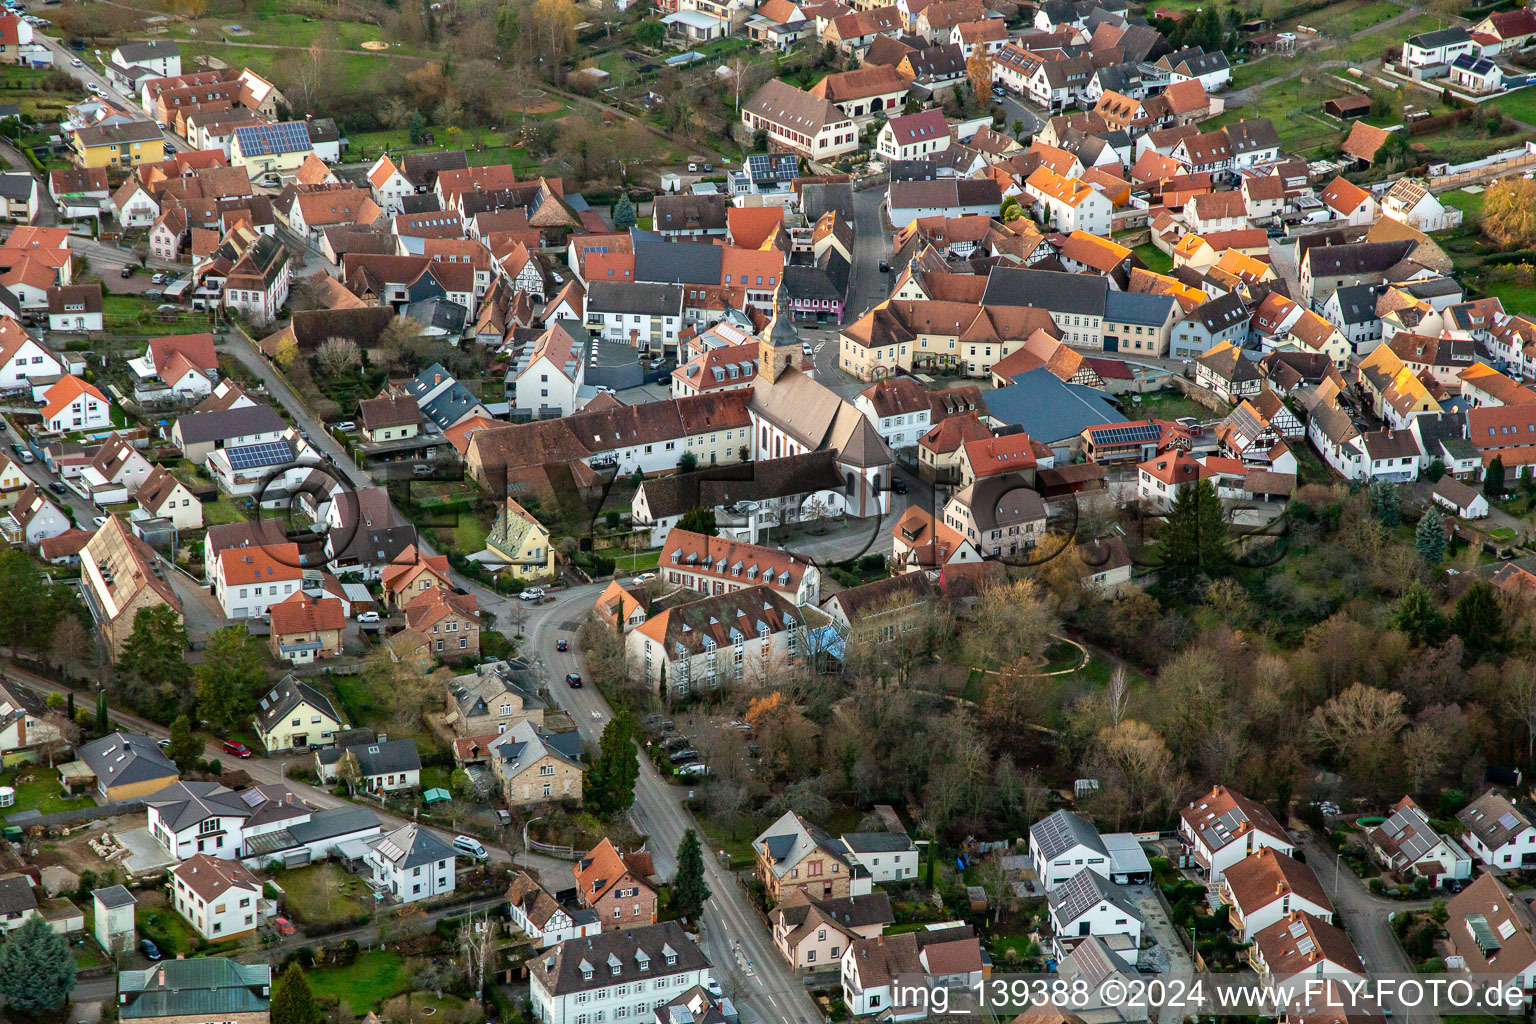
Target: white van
{"points": [[470, 846]]}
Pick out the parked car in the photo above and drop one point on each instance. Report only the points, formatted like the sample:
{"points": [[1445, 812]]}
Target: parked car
{"points": [[531, 594], [470, 846], [644, 577], [421, 469], [367, 616], [344, 426], [149, 949], [503, 817], [76, 62], [163, 743], [898, 485], [99, 521], [684, 756], [693, 768], [283, 925], [885, 267], [127, 271], [56, 487], [236, 748], [573, 680], [157, 279], [562, 645]]}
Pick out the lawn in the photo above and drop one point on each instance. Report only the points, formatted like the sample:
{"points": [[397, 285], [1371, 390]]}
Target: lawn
{"points": [[637, 562], [1155, 259], [357, 701], [1168, 405], [37, 789], [218, 513], [1520, 104], [484, 146], [131, 314], [164, 927], [1259, 70], [1469, 203], [1295, 107], [1347, 19], [374, 977], [324, 894]]}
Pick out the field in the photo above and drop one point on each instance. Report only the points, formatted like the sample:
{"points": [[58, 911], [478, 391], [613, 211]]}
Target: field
{"points": [[1519, 105], [351, 69], [1155, 259], [27, 88], [375, 976], [1469, 203]]}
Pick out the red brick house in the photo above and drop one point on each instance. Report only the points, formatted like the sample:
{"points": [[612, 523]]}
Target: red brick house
{"points": [[614, 884]]}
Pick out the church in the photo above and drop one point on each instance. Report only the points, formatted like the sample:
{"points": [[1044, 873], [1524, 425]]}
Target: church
{"points": [[792, 413], [785, 412]]}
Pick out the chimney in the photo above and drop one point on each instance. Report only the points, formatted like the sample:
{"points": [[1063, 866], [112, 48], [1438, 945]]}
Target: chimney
{"points": [[161, 980]]}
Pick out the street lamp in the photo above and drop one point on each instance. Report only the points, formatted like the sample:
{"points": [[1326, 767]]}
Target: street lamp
{"points": [[530, 821]]}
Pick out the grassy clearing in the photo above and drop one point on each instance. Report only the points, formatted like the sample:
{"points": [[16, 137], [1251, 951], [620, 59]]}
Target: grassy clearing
{"points": [[159, 923], [1351, 18], [374, 977], [1520, 104], [1469, 203], [644, 561], [218, 513], [350, 70]]}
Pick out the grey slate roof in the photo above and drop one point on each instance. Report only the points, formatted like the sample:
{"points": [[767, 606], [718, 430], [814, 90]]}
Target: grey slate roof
{"points": [[114, 896], [125, 758], [635, 297], [1136, 308], [333, 822], [200, 427], [639, 954], [1048, 289], [1357, 303], [660, 261], [1440, 37], [16, 895], [205, 987], [153, 50], [287, 695], [184, 804], [877, 842], [412, 846], [525, 744], [1061, 831], [387, 758]]}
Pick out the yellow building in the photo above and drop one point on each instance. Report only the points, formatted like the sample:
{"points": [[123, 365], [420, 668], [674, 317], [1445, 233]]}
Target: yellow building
{"points": [[296, 716], [123, 145], [522, 542]]}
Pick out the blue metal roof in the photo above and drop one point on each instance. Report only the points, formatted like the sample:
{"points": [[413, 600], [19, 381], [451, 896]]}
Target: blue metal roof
{"points": [[1048, 409]]}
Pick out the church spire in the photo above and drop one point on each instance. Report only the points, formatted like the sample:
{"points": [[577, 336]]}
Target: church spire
{"points": [[779, 349]]}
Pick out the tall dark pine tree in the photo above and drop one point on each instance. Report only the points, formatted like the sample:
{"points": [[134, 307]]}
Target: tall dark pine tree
{"points": [[689, 890], [292, 1001], [611, 783], [1479, 620], [37, 971], [1195, 541]]}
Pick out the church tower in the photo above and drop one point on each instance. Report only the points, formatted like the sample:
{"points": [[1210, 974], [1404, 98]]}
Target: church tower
{"points": [[779, 349]]}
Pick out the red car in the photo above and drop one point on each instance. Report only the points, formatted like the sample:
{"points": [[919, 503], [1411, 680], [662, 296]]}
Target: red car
{"points": [[238, 749], [283, 925], [562, 645]]}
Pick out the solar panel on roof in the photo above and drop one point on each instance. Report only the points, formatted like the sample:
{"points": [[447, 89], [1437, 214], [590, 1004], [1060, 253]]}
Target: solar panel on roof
{"points": [[1297, 929], [1508, 819], [1304, 946], [1128, 435], [267, 453]]}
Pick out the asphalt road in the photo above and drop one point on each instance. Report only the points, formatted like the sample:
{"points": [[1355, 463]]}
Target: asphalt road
{"points": [[769, 990]]}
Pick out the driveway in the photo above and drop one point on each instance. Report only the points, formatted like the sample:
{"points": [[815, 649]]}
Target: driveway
{"points": [[1366, 918]]}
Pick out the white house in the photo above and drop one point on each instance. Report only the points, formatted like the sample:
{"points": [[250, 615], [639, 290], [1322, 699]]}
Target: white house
{"points": [[162, 495], [913, 136], [23, 358], [189, 818], [384, 766], [248, 581], [948, 958], [887, 856], [1222, 827], [549, 373], [74, 404], [899, 410], [389, 185], [1300, 945], [1090, 904], [1068, 204], [220, 899], [615, 976], [161, 57], [1265, 886], [1477, 75], [1063, 844], [37, 518], [1441, 46], [639, 313], [412, 863], [543, 919], [1409, 202], [1407, 842], [1498, 832]]}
